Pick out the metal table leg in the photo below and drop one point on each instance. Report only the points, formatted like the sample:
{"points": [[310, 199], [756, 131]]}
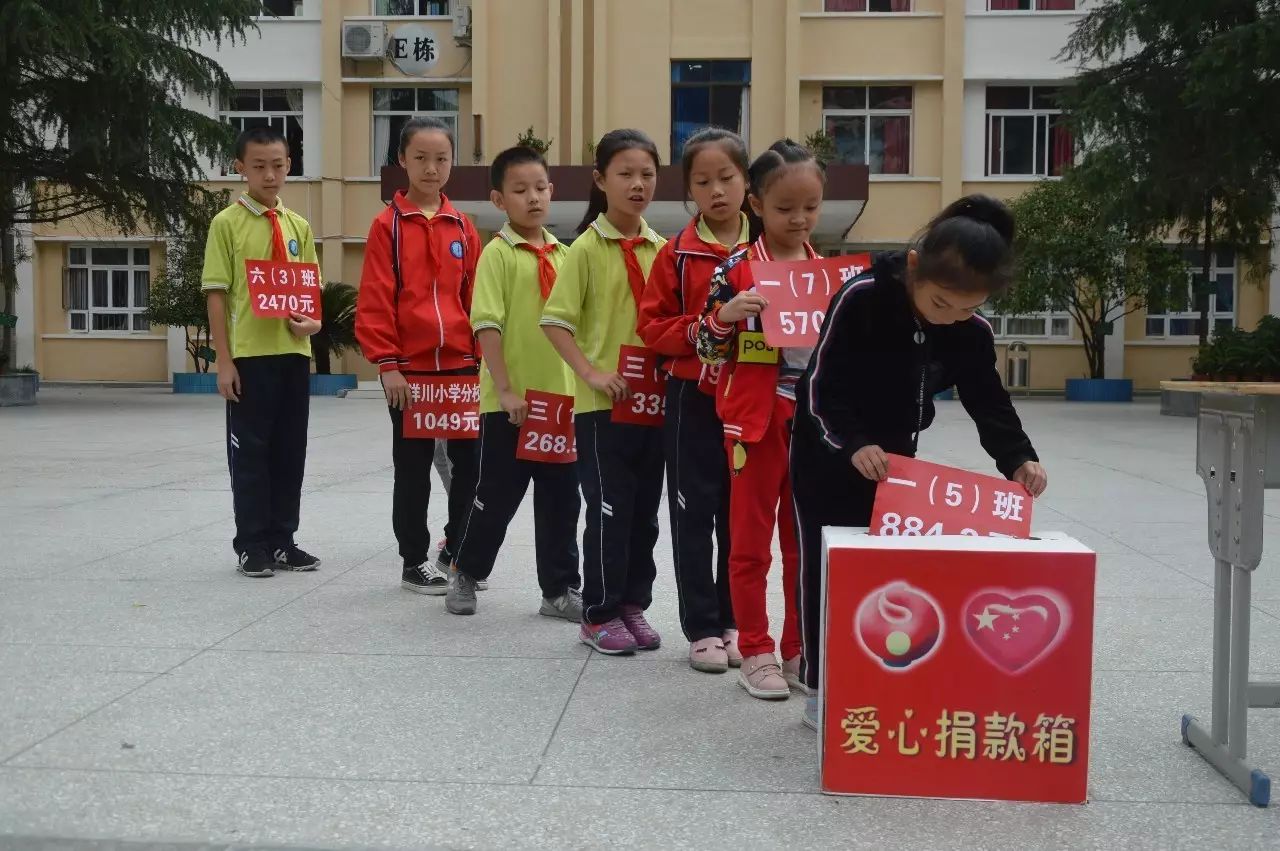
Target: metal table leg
{"points": [[1231, 459]]}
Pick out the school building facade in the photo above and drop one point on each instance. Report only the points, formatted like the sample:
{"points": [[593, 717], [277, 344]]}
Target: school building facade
{"points": [[926, 99]]}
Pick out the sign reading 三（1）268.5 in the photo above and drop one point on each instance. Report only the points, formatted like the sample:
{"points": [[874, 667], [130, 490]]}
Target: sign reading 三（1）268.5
{"points": [[799, 293], [956, 667]]}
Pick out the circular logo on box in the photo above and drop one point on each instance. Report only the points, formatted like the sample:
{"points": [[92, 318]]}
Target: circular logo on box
{"points": [[293, 247], [455, 248]]}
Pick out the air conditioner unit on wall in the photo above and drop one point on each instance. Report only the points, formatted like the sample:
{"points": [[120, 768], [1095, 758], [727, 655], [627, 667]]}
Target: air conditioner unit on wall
{"points": [[462, 22], [364, 40]]}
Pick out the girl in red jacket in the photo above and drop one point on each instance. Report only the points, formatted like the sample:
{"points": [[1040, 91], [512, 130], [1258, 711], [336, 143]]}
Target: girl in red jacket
{"points": [[413, 318], [756, 401], [715, 164]]}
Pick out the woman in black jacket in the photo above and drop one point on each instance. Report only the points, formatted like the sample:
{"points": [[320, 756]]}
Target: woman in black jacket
{"points": [[892, 339]]}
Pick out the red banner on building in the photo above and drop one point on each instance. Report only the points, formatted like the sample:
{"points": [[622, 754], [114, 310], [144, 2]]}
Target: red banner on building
{"points": [[547, 433], [443, 407], [957, 667], [921, 498], [799, 293], [277, 290], [647, 404]]}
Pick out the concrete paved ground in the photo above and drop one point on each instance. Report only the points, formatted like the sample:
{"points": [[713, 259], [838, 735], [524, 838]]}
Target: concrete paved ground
{"points": [[148, 693]]}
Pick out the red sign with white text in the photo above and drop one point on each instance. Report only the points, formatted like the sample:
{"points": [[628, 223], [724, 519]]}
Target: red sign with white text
{"points": [[799, 293], [277, 290], [443, 407], [920, 498], [647, 404], [957, 668], [547, 433]]}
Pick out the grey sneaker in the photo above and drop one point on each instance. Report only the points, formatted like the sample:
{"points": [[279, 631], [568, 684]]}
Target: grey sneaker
{"points": [[568, 606], [460, 599]]}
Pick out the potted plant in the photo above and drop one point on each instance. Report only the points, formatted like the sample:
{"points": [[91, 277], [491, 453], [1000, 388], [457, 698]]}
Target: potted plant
{"points": [[822, 145], [337, 334], [18, 386], [1076, 253], [527, 139], [177, 301]]}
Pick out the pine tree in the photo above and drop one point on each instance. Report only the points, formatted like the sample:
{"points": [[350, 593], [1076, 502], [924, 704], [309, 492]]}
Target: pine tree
{"points": [[94, 123], [1177, 100]]}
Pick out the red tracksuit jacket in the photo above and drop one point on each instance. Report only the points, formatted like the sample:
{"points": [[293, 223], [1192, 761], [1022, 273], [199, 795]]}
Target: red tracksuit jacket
{"points": [[414, 309], [745, 390], [674, 297]]}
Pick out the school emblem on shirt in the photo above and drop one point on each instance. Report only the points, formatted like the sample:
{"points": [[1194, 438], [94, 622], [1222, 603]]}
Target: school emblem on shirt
{"points": [[455, 248], [293, 247]]}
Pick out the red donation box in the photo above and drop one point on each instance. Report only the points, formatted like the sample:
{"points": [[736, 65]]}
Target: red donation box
{"points": [[956, 667]]}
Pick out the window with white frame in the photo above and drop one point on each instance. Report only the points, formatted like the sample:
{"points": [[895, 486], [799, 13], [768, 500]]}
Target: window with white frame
{"points": [[281, 8], [1031, 5], [411, 7], [1178, 317], [1027, 135], [106, 288], [1039, 325], [280, 109], [866, 5], [392, 107], [870, 125]]}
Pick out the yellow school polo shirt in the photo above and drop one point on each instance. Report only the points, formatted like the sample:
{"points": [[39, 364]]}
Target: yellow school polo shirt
{"points": [[508, 299], [242, 232], [744, 232], [592, 299]]}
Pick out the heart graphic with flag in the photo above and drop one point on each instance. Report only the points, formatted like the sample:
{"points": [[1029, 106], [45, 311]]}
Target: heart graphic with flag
{"points": [[1014, 630]]}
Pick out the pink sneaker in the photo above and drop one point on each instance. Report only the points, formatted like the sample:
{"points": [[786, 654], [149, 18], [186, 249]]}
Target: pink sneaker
{"points": [[611, 638], [730, 639], [647, 637], [791, 673], [708, 655], [762, 678]]}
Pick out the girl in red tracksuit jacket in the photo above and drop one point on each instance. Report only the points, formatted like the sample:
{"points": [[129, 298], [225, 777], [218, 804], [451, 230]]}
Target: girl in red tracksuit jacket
{"points": [[413, 318], [756, 401], [714, 163]]}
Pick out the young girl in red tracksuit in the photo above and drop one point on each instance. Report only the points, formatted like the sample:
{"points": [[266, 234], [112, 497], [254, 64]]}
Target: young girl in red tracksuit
{"points": [[413, 318], [714, 163], [756, 401]]}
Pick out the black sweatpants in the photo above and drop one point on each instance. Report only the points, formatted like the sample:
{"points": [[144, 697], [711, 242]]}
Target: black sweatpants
{"points": [[827, 491], [698, 499], [267, 449], [500, 488], [411, 495], [620, 468]]}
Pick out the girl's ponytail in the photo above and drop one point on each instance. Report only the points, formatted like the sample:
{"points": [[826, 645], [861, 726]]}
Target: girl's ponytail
{"points": [[968, 247], [611, 144]]}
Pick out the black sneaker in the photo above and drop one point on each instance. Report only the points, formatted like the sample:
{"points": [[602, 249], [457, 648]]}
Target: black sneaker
{"points": [[292, 558], [255, 563], [426, 578]]}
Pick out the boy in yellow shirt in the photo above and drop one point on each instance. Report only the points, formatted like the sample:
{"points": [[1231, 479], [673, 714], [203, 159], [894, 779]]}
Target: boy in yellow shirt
{"points": [[264, 365], [515, 274]]}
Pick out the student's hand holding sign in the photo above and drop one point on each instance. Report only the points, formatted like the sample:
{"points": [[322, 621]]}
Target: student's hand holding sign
{"points": [[301, 325], [872, 463], [609, 383], [1033, 477], [742, 305]]}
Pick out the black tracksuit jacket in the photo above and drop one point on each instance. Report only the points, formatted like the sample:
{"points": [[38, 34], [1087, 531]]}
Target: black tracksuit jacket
{"points": [[871, 381]]}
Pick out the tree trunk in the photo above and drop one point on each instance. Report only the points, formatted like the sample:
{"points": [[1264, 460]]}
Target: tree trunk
{"points": [[8, 278], [321, 353], [1202, 291]]}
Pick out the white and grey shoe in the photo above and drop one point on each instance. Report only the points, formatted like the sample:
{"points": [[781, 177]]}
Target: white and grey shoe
{"points": [[568, 606]]}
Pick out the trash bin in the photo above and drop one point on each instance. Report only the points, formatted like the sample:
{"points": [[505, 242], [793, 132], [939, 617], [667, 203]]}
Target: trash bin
{"points": [[1017, 371]]}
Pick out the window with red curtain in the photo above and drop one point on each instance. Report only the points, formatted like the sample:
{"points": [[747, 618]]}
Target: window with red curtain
{"points": [[866, 5], [870, 125], [1056, 5], [1026, 132], [1031, 5], [1007, 5]]}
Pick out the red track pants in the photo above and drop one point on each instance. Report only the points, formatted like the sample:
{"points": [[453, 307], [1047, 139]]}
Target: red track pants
{"points": [[759, 498]]}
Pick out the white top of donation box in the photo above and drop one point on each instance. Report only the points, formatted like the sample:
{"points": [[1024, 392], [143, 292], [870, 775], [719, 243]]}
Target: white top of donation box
{"points": [[956, 666]]}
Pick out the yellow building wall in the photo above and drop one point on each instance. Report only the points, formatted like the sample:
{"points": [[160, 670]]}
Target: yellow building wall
{"points": [[1051, 364], [1148, 365], [871, 46], [712, 29], [895, 211]]}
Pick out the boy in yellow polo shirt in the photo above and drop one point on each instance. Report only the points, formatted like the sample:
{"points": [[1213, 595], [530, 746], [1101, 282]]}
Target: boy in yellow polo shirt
{"points": [[264, 365], [514, 276]]}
